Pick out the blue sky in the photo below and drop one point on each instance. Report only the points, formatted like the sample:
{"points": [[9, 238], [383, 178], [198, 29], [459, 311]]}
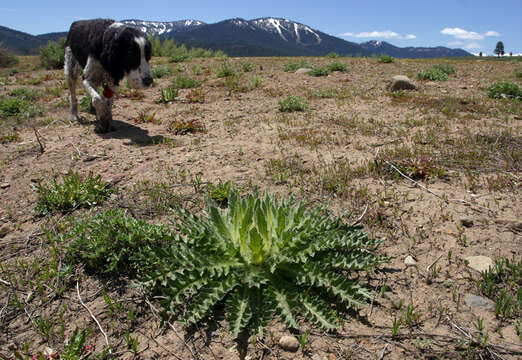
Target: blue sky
{"points": [[474, 25]]}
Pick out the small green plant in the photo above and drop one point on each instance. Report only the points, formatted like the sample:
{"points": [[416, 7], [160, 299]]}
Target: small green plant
{"points": [[432, 74], [225, 71], [246, 67], [52, 55], [168, 95], [114, 243], [72, 194], [18, 107], [438, 72], [159, 72], [338, 66], [396, 326], [293, 66], [518, 74], [256, 81], [320, 71], [332, 55], [9, 138], [502, 284], [184, 82], [196, 70], [146, 116], [182, 127], [256, 256], [196, 96], [293, 103], [504, 90], [220, 192], [385, 59]]}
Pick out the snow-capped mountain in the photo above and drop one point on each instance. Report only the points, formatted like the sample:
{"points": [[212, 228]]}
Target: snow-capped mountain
{"points": [[269, 36], [156, 28]]}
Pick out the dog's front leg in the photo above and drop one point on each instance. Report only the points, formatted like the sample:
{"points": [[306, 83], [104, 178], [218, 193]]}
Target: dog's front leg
{"points": [[102, 106]]}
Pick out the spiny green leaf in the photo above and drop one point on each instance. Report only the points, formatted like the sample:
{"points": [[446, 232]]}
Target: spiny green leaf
{"points": [[319, 311], [239, 311]]}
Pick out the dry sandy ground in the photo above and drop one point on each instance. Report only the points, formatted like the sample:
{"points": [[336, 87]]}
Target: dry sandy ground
{"points": [[339, 150]]}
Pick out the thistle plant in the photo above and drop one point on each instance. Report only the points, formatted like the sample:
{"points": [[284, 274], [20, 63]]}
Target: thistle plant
{"points": [[263, 258]]}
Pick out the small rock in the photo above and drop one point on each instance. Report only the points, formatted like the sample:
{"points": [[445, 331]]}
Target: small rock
{"points": [[289, 343], [401, 82], [466, 222], [4, 185], [477, 301], [479, 263], [303, 71], [410, 261], [4, 230]]}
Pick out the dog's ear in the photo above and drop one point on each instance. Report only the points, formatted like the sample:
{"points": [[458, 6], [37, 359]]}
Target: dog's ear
{"points": [[110, 56]]}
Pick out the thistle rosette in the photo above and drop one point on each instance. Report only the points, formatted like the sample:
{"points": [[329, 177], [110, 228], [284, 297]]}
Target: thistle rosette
{"points": [[264, 258]]}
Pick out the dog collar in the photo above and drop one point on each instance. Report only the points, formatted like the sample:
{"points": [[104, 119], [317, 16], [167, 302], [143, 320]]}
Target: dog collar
{"points": [[107, 92]]}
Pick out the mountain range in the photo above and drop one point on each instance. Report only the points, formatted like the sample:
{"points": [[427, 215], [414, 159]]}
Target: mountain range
{"points": [[239, 37]]}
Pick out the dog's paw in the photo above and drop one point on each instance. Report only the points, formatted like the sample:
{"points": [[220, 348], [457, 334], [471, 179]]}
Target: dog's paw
{"points": [[75, 118]]}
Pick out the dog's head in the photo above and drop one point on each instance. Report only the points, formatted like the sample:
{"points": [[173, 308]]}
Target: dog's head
{"points": [[127, 51]]}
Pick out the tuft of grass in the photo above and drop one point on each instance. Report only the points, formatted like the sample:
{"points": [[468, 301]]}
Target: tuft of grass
{"points": [[320, 71], [168, 95], [332, 55], [246, 67], [502, 284], [182, 127], [385, 59], [256, 81], [72, 194], [518, 74], [159, 72], [293, 103], [504, 90], [293, 66], [225, 71], [337, 66], [184, 82], [145, 116], [114, 243], [438, 72]]}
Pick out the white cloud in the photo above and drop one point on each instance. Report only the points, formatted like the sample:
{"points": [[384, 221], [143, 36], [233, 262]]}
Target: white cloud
{"points": [[459, 33], [491, 33], [387, 34]]}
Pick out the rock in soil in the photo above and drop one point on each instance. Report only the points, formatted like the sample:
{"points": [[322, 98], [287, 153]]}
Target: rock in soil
{"points": [[466, 222], [4, 230], [410, 261], [479, 263], [303, 71], [477, 301], [401, 82], [289, 343]]}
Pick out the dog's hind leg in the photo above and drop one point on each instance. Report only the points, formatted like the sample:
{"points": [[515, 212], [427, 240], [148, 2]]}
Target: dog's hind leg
{"points": [[72, 70]]}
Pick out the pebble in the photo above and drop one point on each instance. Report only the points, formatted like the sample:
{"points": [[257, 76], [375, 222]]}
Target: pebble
{"points": [[477, 301], [4, 230], [289, 343], [410, 261], [479, 263], [303, 71], [4, 185], [466, 222]]}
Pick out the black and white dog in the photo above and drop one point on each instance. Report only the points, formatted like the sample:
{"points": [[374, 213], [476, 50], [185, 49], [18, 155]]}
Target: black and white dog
{"points": [[107, 51]]}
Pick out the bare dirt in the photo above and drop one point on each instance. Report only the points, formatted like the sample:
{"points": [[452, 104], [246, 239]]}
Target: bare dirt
{"points": [[340, 150]]}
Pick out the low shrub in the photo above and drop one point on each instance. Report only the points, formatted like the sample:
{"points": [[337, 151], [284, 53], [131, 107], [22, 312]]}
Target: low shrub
{"points": [[184, 82], [337, 66], [72, 194], [226, 70], [293, 103], [114, 243], [385, 59], [320, 71], [432, 74], [7, 59], [293, 66], [52, 55], [504, 90], [332, 55]]}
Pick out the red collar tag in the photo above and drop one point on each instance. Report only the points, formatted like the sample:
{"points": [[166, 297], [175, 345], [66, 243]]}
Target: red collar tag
{"points": [[107, 92]]}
